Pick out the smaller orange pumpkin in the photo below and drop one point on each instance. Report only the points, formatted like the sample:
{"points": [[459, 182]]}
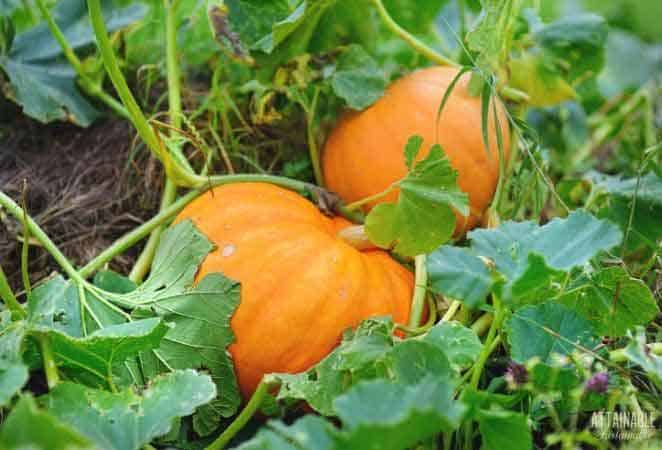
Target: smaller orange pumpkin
{"points": [[301, 285], [364, 153]]}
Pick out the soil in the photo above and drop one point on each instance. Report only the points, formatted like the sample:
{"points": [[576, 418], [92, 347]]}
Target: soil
{"points": [[84, 187]]}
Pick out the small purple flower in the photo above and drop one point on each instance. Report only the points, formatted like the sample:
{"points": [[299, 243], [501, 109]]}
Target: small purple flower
{"points": [[598, 383], [516, 373]]}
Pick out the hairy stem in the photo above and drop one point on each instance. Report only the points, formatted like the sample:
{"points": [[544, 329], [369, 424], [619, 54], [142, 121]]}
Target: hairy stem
{"points": [[359, 203], [313, 149], [112, 67], [420, 291], [25, 247], [477, 369], [452, 309], [410, 39], [144, 261], [241, 420]]}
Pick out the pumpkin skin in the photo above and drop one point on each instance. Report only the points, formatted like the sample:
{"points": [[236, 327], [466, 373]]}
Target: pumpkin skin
{"points": [[301, 286], [363, 154]]}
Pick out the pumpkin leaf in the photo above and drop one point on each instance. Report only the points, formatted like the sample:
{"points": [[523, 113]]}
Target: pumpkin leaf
{"points": [[577, 41], [92, 351], [526, 257], [385, 415], [272, 32], [125, 420], [357, 78], [91, 359], [459, 274], [43, 85], [13, 371], [29, 427], [167, 294], [374, 414], [371, 352], [460, 344], [645, 228], [547, 330], [181, 250], [198, 339], [55, 305], [423, 217], [501, 429], [612, 301]]}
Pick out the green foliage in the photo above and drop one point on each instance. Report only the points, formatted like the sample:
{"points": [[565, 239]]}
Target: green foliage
{"points": [[357, 78], [372, 352], [92, 358], [39, 81], [125, 420], [29, 427], [169, 319], [613, 301], [645, 227], [423, 217], [375, 415], [567, 51], [13, 372], [263, 80], [504, 429], [527, 258], [547, 331]]}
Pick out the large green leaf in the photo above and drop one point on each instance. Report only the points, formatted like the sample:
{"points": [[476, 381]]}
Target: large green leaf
{"points": [[612, 301], [423, 217], [198, 339], [360, 356], [645, 229], [459, 274], [504, 429], [383, 415], [549, 329], [527, 257], [578, 41], [125, 420], [375, 415], [28, 427], [55, 305], [629, 64], [13, 371], [145, 42], [39, 81], [371, 352], [459, 343], [357, 78], [98, 354]]}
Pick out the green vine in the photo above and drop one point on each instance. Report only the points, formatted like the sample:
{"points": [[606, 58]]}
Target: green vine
{"points": [[238, 423]]}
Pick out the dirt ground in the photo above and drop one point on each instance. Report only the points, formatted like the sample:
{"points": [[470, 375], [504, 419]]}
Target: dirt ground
{"points": [[85, 187]]}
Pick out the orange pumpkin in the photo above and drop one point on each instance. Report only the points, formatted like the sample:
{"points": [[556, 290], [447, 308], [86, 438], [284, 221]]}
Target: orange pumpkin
{"points": [[301, 285], [364, 153]]}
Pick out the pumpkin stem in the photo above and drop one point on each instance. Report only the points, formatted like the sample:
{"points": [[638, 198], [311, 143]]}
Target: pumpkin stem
{"points": [[356, 236]]}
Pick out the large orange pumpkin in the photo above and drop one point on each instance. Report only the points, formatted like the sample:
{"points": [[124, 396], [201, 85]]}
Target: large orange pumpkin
{"points": [[301, 285], [364, 153]]}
